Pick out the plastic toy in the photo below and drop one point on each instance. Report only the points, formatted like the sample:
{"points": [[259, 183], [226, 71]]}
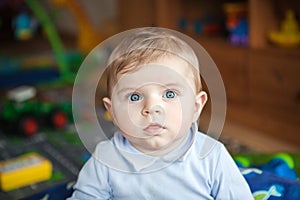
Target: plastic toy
{"points": [[239, 34], [236, 23], [88, 36], [25, 113], [182, 23], [62, 69], [24, 170], [206, 26], [289, 34], [54, 39], [24, 26]]}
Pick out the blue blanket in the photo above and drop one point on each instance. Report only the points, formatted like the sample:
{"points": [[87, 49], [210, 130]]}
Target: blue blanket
{"points": [[275, 179], [267, 185]]}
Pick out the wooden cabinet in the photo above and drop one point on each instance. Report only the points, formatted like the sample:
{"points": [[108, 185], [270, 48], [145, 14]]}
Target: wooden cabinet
{"points": [[274, 80], [232, 64], [262, 87], [142, 13], [136, 13], [262, 81], [274, 92]]}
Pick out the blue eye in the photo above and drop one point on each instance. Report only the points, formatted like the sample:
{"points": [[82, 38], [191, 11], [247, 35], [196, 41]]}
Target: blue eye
{"points": [[170, 94], [134, 97]]}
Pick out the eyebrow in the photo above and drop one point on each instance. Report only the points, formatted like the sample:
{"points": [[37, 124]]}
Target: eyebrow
{"points": [[172, 85], [168, 85], [123, 90]]}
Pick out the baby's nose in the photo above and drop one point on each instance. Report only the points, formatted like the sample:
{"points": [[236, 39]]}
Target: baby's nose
{"points": [[152, 109]]}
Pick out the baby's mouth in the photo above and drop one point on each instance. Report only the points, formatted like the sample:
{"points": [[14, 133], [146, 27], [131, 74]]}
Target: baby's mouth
{"points": [[154, 129]]}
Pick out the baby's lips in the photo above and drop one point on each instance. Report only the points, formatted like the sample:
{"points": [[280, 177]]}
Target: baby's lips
{"points": [[153, 129]]}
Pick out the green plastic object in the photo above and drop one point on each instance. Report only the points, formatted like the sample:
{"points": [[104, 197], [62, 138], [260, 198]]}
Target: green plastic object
{"points": [[52, 35], [286, 158], [242, 161]]}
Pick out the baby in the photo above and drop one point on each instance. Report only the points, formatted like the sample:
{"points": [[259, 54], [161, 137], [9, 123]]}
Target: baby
{"points": [[155, 98]]}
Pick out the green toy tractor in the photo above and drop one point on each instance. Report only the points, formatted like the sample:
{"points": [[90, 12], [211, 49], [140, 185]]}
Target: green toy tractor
{"points": [[26, 114]]}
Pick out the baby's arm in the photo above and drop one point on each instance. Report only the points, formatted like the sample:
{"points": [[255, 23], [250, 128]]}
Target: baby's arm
{"points": [[92, 182], [229, 183]]}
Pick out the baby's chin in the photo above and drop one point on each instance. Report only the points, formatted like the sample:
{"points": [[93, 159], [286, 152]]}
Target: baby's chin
{"points": [[158, 146]]}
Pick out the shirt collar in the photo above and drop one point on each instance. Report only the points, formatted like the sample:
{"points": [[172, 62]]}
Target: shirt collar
{"points": [[141, 162]]}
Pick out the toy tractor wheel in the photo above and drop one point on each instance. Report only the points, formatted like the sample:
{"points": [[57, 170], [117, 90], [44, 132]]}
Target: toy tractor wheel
{"points": [[28, 125], [58, 119]]}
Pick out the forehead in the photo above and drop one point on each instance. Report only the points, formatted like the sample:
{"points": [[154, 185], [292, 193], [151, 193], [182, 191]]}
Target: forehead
{"points": [[166, 70]]}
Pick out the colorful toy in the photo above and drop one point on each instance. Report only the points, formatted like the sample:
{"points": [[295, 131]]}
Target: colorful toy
{"points": [[289, 34], [239, 34], [25, 113], [24, 170], [237, 23], [59, 69], [24, 26], [206, 26], [52, 35], [88, 36]]}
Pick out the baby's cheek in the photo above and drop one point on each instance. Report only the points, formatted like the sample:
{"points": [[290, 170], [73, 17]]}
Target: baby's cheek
{"points": [[175, 117], [131, 118]]}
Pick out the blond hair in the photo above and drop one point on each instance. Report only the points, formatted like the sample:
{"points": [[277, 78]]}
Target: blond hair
{"points": [[145, 46]]}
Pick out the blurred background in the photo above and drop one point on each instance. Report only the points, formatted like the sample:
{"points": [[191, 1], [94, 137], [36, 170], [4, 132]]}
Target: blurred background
{"points": [[255, 44]]}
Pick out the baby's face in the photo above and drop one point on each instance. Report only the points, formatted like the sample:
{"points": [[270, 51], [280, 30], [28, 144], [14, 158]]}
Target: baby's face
{"points": [[155, 105]]}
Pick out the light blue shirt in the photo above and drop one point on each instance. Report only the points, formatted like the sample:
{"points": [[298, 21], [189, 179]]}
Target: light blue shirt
{"points": [[201, 168]]}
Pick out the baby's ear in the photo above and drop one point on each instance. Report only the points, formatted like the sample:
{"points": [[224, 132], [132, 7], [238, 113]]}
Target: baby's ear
{"points": [[107, 104], [201, 99], [109, 112]]}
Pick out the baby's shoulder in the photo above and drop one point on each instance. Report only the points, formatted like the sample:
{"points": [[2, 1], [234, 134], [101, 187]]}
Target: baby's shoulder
{"points": [[207, 146]]}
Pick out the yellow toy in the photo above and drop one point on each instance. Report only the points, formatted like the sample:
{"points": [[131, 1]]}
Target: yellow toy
{"points": [[289, 35], [107, 116], [24, 170], [88, 36]]}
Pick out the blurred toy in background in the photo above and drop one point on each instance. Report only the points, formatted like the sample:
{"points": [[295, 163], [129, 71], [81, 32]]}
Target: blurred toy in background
{"points": [[35, 68], [239, 34], [24, 170], [24, 26], [16, 20], [88, 36], [51, 33], [182, 24], [208, 25], [237, 23], [24, 113], [289, 33]]}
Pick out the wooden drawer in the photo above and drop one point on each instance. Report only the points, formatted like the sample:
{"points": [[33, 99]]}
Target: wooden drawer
{"points": [[232, 63], [274, 81]]}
